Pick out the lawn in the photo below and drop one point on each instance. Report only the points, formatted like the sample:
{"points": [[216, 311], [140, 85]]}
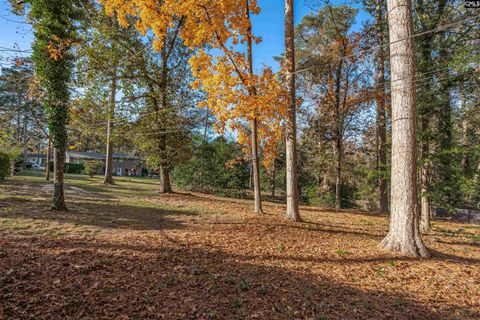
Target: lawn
{"points": [[125, 252]]}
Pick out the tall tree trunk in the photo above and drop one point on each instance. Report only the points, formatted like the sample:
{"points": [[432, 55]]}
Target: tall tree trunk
{"points": [[381, 115], [404, 232], [465, 146], [253, 122], [165, 186], [273, 183], [338, 134], [426, 209], [256, 168], [111, 117], [291, 120], [338, 174], [47, 164], [58, 183]]}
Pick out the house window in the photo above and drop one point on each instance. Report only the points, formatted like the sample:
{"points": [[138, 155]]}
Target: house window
{"points": [[119, 171]]}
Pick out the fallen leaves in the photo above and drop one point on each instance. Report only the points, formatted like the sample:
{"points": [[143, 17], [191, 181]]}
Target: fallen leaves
{"points": [[193, 256]]}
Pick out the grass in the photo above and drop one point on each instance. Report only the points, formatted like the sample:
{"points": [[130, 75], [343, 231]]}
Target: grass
{"points": [[126, 251]]}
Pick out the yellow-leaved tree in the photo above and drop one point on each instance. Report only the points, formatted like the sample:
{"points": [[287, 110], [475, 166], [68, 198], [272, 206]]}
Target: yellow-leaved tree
{"points": [[235, 94]]}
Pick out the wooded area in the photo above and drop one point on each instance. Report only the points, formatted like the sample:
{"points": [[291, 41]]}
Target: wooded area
{"points": [[369, 113]]}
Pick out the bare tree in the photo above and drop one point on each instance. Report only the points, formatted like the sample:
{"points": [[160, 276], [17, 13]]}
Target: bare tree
{"points": [[404, 232]]}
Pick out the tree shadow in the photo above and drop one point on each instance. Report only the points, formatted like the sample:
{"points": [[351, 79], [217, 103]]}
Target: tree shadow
{"points": [[104, 213], [68, 278]]}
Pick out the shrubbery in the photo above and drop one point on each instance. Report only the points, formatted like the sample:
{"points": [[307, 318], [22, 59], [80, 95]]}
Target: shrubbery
{"points": [[70, 167], [4, 165], [92, 167], [216, 166]]}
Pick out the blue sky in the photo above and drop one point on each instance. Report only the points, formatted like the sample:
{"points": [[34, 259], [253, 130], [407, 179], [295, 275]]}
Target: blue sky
{"points": [[269, 24]]}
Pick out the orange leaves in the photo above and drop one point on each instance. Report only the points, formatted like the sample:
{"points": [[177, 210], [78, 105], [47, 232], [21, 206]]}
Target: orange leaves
{"points": [[57, 47], [230, 100], [234, 95]]}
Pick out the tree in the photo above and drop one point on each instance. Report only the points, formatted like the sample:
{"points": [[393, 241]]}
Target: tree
{"points": [[291, 120], [429, 16], [404, 232], [212, 25], [21, 112], [54, 27], [100, 74], [381, 122], [331, 57]]}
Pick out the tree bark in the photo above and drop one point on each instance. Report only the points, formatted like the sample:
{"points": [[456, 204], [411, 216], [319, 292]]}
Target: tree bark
{"points": [[256, 168], [58, 183], [165, 186], [291, 120], [465, 145], [338, 174], [253, 122], [110, 122], [381, 115], [47, 161], [426, 210], [404, 232]]}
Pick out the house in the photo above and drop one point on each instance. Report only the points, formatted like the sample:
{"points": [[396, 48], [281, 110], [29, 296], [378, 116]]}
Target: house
{"points": [[123, 164], [36, 159]]}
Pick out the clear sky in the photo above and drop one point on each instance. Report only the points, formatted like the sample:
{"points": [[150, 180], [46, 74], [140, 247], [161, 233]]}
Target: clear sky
{"points": [[269, 24]]}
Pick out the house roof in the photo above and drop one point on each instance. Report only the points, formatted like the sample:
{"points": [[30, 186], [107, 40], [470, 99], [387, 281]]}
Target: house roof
{"points": [[98, 156]]}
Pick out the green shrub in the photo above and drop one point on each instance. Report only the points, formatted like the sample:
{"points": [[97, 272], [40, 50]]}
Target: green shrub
{"points": [[18, 161], [73, 168], [76, 168], [92, 167], [214, 166], [326, 198], [4, 165]]}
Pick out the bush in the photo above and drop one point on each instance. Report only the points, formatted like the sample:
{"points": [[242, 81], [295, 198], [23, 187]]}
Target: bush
{"points": [[215, 166], [73, 168], [69, 167], [92, 167], [4, 165]]}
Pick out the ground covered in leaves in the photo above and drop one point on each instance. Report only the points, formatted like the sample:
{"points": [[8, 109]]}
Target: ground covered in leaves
{"points": [[125, 252]]}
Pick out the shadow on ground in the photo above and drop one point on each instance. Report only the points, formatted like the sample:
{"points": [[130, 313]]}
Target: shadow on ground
{"points": [[83, 279]]}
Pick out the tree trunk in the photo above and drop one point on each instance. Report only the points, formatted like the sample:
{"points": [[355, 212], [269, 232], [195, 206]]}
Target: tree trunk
{"points": [[47, 162], [253, 122], [404, 232], [256, 168], [111, 116], [58, 185], [381, 117], [273, 184], [465, 146], [165, 186], [291, 120], [338, 174], [426, 211]]}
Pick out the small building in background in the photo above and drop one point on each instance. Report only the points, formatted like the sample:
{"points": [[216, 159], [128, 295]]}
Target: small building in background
{"points": [[34, 159], [123, 163]]}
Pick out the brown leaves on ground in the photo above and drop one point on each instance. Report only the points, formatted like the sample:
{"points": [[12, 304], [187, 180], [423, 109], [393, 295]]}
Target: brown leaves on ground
{"points": [[135, 255]]}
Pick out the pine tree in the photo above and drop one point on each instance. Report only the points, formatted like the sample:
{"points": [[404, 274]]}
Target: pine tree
{"points": [[404, 232]]}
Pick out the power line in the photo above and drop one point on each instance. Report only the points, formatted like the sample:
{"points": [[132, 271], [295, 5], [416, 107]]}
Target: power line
{"points": [[440, 28]]}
